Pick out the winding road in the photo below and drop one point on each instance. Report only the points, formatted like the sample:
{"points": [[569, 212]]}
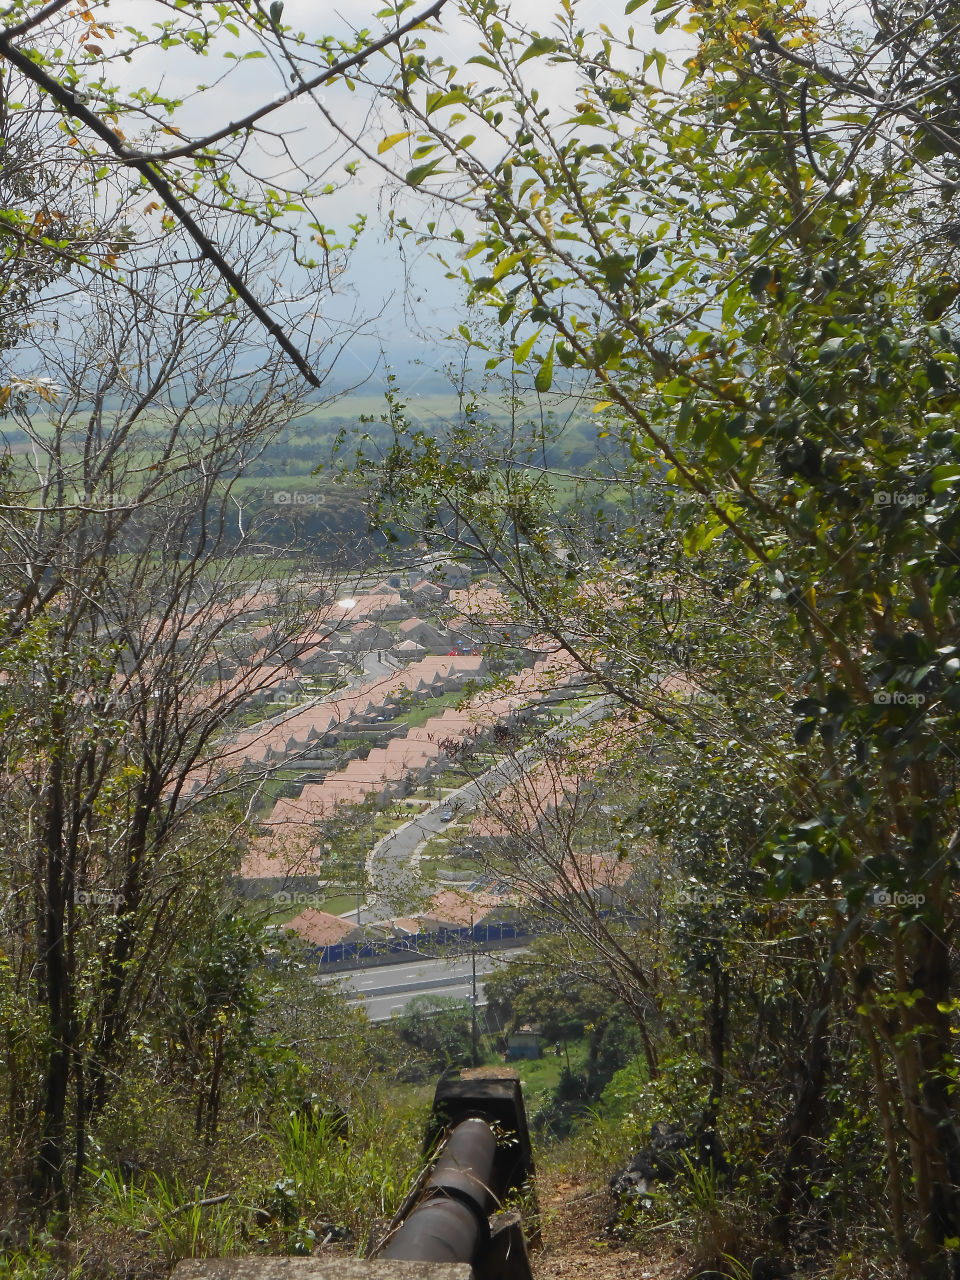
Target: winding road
{"points": [[390, 867]]}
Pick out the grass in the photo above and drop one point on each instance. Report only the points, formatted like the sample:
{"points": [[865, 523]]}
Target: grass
{"points": [[349, 1171], [340, 903], [418, 716], [354, 1176], [178, 1224], [543, 1074]]}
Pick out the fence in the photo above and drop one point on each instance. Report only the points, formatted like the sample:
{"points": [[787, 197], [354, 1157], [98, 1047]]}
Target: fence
{"points": [[418, 943]]}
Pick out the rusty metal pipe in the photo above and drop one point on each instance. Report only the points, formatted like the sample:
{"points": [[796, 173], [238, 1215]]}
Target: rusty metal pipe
{"points": [[450, 1222]]}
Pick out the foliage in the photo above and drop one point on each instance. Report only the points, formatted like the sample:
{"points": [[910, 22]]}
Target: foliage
{"points": [[125, 651], [66, 70], [438, 1029], [355, 1178], [749, 264]]}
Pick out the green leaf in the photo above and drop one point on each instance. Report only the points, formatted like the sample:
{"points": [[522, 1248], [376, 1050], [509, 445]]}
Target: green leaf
{"points": [[524, 349], [417, 174], [506, 265], [944, 477], [537, 48], [661, 24], [684, 416], [544, 379], [830, 350]]}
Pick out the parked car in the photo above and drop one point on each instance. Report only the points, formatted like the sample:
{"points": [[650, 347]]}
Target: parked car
{"points": [[446, 815]]}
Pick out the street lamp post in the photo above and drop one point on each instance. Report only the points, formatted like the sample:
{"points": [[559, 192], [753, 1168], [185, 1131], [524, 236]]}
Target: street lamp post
{"points": [[361, 869], [473, 997]]}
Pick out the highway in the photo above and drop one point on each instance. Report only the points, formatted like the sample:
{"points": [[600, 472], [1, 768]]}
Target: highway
{"points": [[388, 989]]}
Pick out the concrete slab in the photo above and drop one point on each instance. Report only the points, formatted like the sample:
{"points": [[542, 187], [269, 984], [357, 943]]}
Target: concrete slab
{"points": [[318, 1269]]}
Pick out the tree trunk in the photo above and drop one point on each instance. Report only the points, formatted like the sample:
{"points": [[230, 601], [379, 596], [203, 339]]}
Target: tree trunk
{"points": [[49, 1190], [709, 1143], [807, 1112], [932, 1109]]}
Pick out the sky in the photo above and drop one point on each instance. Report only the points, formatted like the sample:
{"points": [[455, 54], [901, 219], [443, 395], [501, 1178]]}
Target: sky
{"points": [[394, 295]]}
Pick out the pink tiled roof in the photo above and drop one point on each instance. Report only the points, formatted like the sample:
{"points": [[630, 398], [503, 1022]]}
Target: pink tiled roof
{"points": [[320, 928], [460, 908]]}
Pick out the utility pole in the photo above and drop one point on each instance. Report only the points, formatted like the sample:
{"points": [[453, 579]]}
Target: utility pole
{"points": [[473, 998]]}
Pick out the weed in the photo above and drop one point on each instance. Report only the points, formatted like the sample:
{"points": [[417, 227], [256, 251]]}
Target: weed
{"points": [[349, 1183], [175, 1218]]}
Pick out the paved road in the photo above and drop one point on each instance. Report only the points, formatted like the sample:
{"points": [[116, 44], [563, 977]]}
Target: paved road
{"points": [[387, 989], [389, 873], [383, 1008], [374, 667]]}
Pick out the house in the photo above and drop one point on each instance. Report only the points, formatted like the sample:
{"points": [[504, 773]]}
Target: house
{"points": [[423, 591], [524, 1043], [408, 649], [425, 634], [317, 661], [455, 909], [367, 636], [282, 857], [380, 606], [320, 929]]}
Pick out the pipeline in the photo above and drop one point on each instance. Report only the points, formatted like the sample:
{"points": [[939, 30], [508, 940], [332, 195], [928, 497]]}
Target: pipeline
{"points": [[447, 1217], [450, 1224]]}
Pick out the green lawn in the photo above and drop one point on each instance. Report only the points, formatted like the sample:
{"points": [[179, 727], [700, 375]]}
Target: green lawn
{"points": [[419, 715], [540, 1076], [337, 905]]}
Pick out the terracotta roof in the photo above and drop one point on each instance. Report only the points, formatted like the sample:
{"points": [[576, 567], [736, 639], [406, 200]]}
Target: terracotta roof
{"points": [[320, 928], [284, 850], [461, 908]]}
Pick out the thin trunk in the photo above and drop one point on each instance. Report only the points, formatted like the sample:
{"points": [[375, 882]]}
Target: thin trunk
{"points": [[890, 1120], [719, 1027], [80, 1122], [934, 1110], [807, 1112], [48, 1182]]}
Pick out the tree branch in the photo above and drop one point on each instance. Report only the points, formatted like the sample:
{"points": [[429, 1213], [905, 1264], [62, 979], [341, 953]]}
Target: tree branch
{"points": [[305, 86], [68, 99], [146, 163], [48, 10]]}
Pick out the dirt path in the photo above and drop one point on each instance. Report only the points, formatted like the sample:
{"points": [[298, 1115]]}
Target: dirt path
{"points": [[578, 1244]]}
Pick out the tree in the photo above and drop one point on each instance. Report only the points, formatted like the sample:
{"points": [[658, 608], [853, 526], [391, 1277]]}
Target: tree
{"points": [[56, 64], [557, 848], [751, 258], [127, 558], [437, 1028], [127, 655], [213, 1008]]}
